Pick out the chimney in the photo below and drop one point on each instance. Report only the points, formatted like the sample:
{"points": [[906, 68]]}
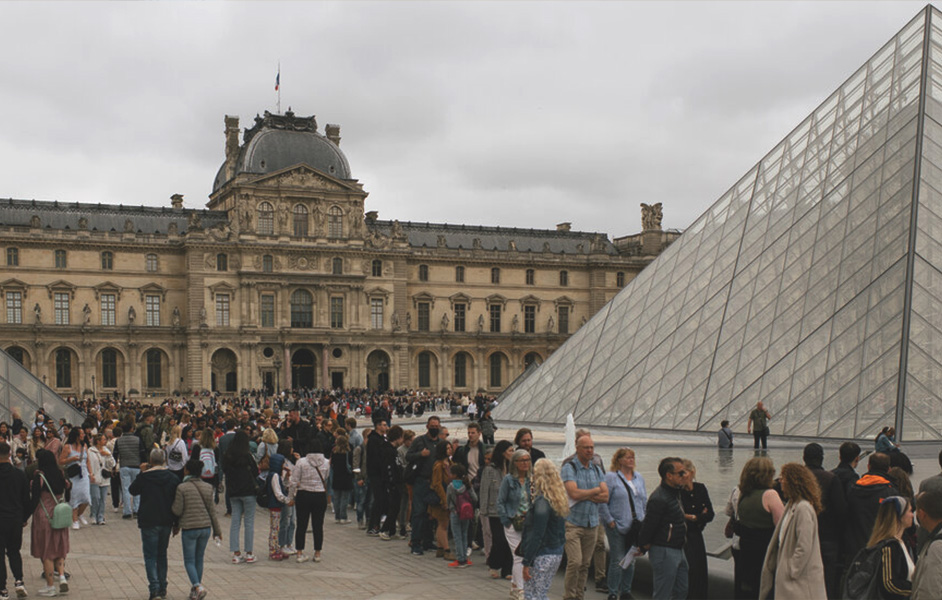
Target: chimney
{"points": [[176, 201], [232, 145], [333, 133], [564, 227], [372, 215]]}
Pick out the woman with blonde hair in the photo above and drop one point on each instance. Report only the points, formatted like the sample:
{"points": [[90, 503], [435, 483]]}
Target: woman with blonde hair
{"points": [[759, 510], [793, 566], [177, 454], [895, 580], [698, 510], [267, 447], [622, 516], [544, 531]]}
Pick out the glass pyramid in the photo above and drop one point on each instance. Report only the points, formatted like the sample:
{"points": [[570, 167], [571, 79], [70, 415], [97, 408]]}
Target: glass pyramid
{"points": [[21, 390], [814, 284]]}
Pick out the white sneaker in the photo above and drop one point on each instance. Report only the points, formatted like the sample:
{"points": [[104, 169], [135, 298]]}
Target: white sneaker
{"points": [[75, 525], [302, 557], [83, 520], [288, 550], [117, 509], [48, 591], [20, 590]]}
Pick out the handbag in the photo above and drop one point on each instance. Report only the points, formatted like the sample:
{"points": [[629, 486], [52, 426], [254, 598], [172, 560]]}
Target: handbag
{"points": [[635, 528], [73, 470], [61, 516]]}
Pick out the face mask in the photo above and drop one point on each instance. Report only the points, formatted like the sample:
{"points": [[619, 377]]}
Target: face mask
{"points": [[433, 433]]}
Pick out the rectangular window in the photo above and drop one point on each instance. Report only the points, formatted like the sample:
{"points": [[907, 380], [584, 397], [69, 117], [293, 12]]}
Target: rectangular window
{"points": [[108, 309], [336, 313], [495, 275], [425, 370], [61, 306], [107, 261], [222, 310], [13, 257], [531, 276], [563, 319], [376, 313], [495, 317], [460, 313], [268, 310], [14, 308], [150, 263], [620, 279], [222, 262], [152, 310], [109, 369], [564, 278], [423, 272], [267, 263], [461, 370], [459, 274], [61, 259], [423, 309], [529, 319], [377, 268]]}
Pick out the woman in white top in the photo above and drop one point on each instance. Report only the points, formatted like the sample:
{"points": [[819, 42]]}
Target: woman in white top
{"points": [[177, 454], [100, 464], [308, 493]]}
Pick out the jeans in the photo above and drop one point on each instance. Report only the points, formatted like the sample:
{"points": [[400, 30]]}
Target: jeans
{"points": [[11, 540], [154, 542], [243, 509], [459, 529], [420, 515], [194, 549], [341, 500], [359, 496], [128, 475], [669, 567], [99, 495], [619, 580], [760, 436], [286, 529]]}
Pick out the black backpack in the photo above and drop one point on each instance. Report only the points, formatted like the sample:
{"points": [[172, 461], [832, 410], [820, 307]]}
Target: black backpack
{"points": [[862, 580]]}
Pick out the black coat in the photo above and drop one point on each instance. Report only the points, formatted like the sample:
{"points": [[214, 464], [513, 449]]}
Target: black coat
{"points": [[863, 502], [157, 489]]}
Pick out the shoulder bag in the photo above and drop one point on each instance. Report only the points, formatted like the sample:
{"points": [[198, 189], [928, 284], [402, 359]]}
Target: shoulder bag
{"points": [[635, 528], [61, 516]]}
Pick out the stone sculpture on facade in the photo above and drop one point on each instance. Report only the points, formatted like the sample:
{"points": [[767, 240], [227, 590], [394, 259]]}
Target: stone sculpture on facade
{"points": [[651, 215]]}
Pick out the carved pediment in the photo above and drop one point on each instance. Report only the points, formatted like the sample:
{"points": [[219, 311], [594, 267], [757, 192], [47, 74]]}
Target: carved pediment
{"points": [[496, 299], [221, 288], [423, 297], [377, 292], [460, 298], [13, 285], [153, 288], [61, 286], [107, 288], [302, 263], [530, 299], [563, 301], [304, 177]]}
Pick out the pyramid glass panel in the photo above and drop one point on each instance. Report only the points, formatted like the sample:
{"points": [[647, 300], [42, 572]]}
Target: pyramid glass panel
{"points": [[814, 284]]}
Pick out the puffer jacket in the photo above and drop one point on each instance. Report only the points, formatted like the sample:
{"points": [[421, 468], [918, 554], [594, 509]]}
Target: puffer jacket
{"points": [[193, 505], [664, 522]]}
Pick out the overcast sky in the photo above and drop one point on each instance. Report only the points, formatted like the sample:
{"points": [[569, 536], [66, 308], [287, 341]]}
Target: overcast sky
{"points": [[514, 114]]}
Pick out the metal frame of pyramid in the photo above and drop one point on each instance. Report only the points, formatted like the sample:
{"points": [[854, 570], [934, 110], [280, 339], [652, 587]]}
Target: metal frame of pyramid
{"points": [[21, 389], [814, 284]]}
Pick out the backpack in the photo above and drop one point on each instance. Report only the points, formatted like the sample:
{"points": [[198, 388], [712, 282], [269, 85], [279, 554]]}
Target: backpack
{"points": [[62, 513], [862, 580], [209, 463], [463, 504]]}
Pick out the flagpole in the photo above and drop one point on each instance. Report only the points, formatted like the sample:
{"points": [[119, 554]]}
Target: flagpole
{"points": [[278, 88]]}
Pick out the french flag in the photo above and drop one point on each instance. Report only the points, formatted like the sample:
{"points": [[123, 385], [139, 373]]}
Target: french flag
{"points": [[278, 80]]}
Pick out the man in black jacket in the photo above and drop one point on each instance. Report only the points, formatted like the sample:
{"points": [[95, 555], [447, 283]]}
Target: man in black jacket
{"points": [[390, 479], [422, 454], [863, 502], [14, 512], [157, 488], [846, 471], [831, 519], [374, 473], [664, 531]]}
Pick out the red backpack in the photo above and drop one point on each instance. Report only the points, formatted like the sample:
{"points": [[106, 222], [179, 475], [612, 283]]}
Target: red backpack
{"points": [[464, 505]]}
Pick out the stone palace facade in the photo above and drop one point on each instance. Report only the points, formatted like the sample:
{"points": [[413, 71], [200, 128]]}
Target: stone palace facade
{"points": [[284, 281]]}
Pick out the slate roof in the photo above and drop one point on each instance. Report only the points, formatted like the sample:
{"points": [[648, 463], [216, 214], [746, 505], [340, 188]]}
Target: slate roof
{"points": [[102, 217], [497, 238]]}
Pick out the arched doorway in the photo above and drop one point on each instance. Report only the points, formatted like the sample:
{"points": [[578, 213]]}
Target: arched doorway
{"points": [[224, 365], [427, 370], [303, 371], [377, 371], [532, 358], [19, 355]]}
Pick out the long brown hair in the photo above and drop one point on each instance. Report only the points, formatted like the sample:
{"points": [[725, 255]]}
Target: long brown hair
{"points": [[757, 474], [889, 523], [800, 484]]}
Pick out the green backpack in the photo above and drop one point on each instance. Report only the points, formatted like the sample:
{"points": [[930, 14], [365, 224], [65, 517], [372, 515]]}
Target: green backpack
{"points": [[62, 513]]}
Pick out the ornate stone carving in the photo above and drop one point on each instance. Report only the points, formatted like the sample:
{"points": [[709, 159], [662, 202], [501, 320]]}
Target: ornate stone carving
{"points": [[396, 233], [86, 315], [172, 228], [476, 244], [651, 215], [441, 241], [283, 213], [220, 232], [203, 316], [128, 226], [209, 260], [551, 324], [83, 223], [395, 321], [546, 247], [515, 324], [302, 263], [194, 222], [38, 313], [512, 246], [132, 314], [175, 317], [35, 222], [445, 322]]}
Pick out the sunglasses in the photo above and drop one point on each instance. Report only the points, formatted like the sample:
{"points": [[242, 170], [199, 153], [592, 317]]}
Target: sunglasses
{"points": [[680, 473]]}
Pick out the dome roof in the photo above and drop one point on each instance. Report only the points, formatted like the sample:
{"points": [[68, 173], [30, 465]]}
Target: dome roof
{"points": [[280, 141]]}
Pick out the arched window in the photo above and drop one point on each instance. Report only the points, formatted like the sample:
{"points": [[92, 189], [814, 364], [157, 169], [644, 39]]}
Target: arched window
{"points": [[423, 272], [337, 266], [107, 261], [302, 313], [496, 365], [425, 370], [268, 263], [531, 358], [461, 370], [334, 222], [222, 262], [17, 354], [266, 219], [564, 278], [109, 368], [377, 268], [300, 220], [150, 263], [63, 368], [154, 374]]}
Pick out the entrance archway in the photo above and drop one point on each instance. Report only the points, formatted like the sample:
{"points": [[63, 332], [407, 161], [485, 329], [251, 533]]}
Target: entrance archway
{"points": [[377, 371], [303, 369], [224, 365]]}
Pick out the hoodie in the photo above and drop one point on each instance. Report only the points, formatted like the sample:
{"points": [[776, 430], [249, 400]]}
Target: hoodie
{"points": [[457, 488], [863, 502]]}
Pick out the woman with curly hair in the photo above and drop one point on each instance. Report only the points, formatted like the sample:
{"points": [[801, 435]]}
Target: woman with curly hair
{"points": [[544, 530], [759, 510], [793, 567]]}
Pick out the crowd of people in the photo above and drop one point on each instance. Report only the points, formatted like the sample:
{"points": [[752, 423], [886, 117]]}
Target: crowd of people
{"points": [[803, 532]]}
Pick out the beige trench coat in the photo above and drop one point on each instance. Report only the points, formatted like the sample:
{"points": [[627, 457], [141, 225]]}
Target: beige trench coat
{"points": [[794, 568]]}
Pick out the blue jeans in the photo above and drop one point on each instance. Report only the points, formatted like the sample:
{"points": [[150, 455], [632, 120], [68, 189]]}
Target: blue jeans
{"points": [[286, 527], [194, 549], [619, 580], [154, 542], [128, 475], [243, 509], [359, 495], [341, 500], [420, 514], [669, 566], [99, 495], [459, 529]]}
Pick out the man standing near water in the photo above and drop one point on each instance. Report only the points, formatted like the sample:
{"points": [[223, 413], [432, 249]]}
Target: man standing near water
{"points": [[759, 425]]}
